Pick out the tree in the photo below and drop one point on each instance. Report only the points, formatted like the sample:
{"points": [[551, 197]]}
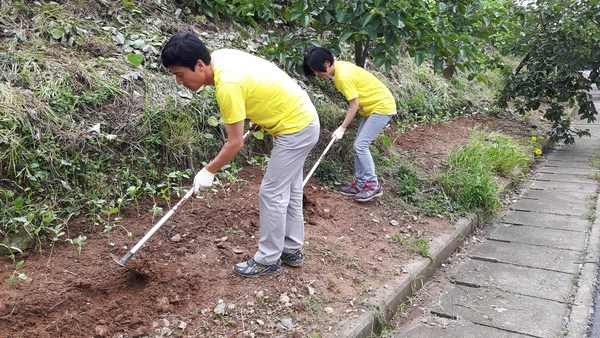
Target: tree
{"points": [[557, 39], [449, 33]]}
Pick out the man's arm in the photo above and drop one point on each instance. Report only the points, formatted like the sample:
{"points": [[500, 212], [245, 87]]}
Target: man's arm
{"points": [[235, 142], [352, 109]]}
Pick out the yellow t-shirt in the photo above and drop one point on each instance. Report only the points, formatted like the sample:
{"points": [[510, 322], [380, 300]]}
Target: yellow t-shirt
{"points": [[248, 86], [373, 96]]}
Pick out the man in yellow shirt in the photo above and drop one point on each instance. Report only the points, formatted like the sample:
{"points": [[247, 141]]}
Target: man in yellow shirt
{"points": [[368, 97], [249, 87]]}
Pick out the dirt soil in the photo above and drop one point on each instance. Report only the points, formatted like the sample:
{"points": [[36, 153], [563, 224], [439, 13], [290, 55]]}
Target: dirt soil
{"points": [[186, 286]]}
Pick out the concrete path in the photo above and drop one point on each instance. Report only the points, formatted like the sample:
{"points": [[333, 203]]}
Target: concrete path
{"points": [[535, 272]]}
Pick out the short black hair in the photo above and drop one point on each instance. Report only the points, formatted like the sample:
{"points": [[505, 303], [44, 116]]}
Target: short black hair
{"points": [[184, 49], [315, 59]]}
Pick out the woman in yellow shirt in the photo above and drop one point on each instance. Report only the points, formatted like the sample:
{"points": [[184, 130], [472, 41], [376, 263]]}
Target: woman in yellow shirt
{"points": [[368, 97], [249, 87]]}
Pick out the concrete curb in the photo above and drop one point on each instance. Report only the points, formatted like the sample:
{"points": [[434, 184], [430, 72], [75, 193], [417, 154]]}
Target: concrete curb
{"points": [[420, 270]]}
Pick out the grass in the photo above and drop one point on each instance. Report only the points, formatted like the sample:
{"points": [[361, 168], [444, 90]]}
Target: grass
{"points": [[471, 182]]}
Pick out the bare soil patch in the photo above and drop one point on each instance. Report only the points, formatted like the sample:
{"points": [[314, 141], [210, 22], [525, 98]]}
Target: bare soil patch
{"points": [[187, 265]]}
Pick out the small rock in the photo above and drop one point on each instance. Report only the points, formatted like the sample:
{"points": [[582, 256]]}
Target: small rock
{"points": [[326, 210], [220, 308], [165, 331], [328, 310], [284, 298], [394, 223], [311, 290], [260, 294], [375, 220], [101, 330], [237, 250], [230, 306], [286, 323], [176, 238], [260, 322]]}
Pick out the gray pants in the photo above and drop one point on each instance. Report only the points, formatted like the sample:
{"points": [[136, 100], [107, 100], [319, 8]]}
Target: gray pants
{"points": [[364, 167], [280, 195]]}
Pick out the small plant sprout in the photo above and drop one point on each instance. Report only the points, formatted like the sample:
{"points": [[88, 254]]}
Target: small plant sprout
{"points": [[16, 273], [129, 234], [79, 241], [55, 233]]}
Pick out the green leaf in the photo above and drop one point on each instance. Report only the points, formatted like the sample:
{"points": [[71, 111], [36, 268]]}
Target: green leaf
{"points": [[135, 59], [260, 134], [11, 280], [305, 20], [19, 202], [19, 265], [345, 35], [325, 17], [213, 121], [419, 58], [340, 13], [57, 33], [366, 19], [137, 44], [111, 211], [438, 63]]}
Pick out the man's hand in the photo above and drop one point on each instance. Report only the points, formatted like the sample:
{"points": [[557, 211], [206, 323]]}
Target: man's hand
{"points": [[203, 180], [339, 133]]}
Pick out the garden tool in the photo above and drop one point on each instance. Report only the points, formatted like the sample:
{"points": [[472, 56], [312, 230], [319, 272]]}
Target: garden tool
{"points": [[132, 252], [304, 198]]}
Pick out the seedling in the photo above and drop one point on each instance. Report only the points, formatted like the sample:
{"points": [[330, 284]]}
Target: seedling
{"points": [[79, 241], [16, 273], [55, 232]]}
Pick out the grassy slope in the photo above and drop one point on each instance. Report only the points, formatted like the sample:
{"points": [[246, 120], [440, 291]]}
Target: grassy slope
{"points": [[84, 131]]}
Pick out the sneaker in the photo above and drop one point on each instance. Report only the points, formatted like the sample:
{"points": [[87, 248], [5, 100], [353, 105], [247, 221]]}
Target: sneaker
{"points": [[292, 259], [368, 193], [350, 190], [253, 269]]}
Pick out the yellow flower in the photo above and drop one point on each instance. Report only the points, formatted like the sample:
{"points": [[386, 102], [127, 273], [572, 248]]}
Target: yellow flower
{"points": [[534, 138], [538, 151]]}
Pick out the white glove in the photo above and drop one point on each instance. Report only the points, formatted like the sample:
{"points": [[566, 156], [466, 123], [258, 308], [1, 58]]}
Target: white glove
{"points": [[203, 180], [339, 133]]}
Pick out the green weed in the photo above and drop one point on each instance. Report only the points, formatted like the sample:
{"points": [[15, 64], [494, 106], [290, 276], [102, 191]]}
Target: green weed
{"points": [[422, 247], [408, 183], [470, 181], [16, 274], [328, 174]]}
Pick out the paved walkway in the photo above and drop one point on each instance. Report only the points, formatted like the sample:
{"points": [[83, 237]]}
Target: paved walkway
{"points": [[534, 274]]}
